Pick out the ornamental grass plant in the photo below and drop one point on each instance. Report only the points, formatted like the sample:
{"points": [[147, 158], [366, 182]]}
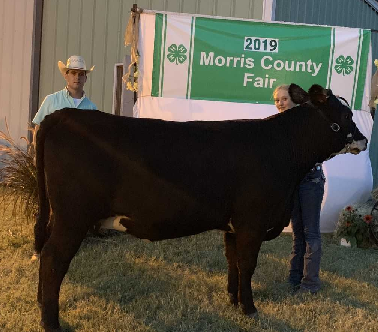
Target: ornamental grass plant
{"points": [[18, 175]]}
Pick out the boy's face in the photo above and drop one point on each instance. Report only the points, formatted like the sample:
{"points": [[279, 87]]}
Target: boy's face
{"points": [[75, 79]]}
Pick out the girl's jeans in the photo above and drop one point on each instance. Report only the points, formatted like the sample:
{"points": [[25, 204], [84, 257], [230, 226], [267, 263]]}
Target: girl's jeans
{"points": [[305, 221]]}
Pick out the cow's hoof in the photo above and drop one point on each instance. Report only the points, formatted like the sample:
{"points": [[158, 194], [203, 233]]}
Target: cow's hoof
{"points": [[253, 315], [250, 312], [233, 299], [59, 329], [51, 329]]}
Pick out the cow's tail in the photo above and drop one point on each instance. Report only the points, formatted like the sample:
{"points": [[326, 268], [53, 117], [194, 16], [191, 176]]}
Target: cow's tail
{"points": [[41, 228]]}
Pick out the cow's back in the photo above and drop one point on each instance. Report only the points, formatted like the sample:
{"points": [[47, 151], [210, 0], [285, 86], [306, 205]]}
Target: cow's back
{"points": [[155, 172]]}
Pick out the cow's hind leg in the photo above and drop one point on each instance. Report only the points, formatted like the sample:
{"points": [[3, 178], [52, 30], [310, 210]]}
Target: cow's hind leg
{"points": [[247, 245], [56, 257], [37, 253], [233, 271]]}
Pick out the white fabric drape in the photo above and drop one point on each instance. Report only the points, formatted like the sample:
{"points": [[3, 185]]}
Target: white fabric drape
{"points": [[349, 177]]}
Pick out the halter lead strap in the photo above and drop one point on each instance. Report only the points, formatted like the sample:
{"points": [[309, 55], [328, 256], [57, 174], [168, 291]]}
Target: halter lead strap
{"points": [[334, 126]]}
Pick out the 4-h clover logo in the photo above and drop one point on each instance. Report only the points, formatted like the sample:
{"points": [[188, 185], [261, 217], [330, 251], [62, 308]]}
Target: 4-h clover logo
{"points": [[344, 65], [177, 54]]}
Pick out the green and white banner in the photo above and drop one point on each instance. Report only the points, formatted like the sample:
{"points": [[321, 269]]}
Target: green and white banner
{"points": [[243, 61], [196, 68]]}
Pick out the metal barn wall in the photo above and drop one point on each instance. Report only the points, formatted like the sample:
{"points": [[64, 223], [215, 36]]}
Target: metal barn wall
{"points": [[348, 13], [16, 26], [95, 30]]}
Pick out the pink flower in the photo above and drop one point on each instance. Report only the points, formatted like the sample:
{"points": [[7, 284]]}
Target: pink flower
{"points": [[349, 208], [368, 218]]}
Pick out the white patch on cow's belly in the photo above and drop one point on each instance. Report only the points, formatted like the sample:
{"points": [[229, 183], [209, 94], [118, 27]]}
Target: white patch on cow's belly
{"points": [[113, 223], [232, 229]]}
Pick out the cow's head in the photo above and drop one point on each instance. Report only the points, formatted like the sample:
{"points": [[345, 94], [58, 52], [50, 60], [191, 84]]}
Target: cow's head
{"points": [[336, 112]]}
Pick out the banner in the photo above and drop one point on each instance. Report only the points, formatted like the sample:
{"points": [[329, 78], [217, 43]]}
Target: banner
{"points": [[202, 58], [174, 85]]}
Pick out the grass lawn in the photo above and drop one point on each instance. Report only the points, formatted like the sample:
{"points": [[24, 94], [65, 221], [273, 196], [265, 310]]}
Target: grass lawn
{"points": [[124, 284]]}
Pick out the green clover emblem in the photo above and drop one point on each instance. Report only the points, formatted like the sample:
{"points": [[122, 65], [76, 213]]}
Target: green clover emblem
{"points": [[344, 65], [177, 54]]}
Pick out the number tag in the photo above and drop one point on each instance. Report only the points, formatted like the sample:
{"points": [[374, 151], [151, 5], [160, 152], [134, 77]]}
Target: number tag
{"points": [[257, 44]]}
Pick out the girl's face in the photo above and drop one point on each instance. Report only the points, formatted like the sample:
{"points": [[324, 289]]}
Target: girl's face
{"points": [[282, 100]]}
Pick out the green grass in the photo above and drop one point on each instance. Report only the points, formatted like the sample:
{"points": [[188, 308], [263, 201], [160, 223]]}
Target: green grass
{"points": [[124, 284]]}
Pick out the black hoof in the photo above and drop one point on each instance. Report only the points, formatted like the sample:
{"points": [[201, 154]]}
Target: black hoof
{"points": [[253, 315], [233, 299], [250, 312], [51, 329]]}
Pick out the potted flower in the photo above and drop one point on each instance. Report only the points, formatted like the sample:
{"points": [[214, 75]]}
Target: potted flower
{"points": [[358, 225]]}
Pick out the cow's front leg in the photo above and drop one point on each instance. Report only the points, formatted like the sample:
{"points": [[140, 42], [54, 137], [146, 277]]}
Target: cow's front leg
{"points": [[233, 271], [248, 246]]}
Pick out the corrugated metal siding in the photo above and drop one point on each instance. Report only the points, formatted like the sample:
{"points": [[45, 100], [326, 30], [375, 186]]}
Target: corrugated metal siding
{"points": [[95, 30], [16, 27], [348, 13], [234, 8]]}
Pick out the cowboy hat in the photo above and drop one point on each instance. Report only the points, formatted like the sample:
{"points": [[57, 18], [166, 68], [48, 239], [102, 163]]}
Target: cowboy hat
{"points": [[74, 62]]}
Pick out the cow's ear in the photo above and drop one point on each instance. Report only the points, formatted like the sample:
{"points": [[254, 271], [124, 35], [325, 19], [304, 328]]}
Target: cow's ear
{"points": [[297, 94], [318, 94]]}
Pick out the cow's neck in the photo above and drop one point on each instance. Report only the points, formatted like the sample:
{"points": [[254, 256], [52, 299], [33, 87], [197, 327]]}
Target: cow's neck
{"points": [[310, 136]]}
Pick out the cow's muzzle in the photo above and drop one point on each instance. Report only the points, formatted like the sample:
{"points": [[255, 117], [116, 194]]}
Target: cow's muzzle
{"points": [[357, 146]]}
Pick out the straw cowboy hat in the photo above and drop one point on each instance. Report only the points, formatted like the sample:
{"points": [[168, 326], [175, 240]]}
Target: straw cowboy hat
{"points": [[74, 62]]}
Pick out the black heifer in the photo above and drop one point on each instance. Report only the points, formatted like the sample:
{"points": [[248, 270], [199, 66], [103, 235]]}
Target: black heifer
{"points": [[175, 179]]}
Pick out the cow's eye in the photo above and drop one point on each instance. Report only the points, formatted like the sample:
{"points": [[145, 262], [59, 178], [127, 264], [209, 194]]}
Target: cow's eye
{"points": [[347, 116]]}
